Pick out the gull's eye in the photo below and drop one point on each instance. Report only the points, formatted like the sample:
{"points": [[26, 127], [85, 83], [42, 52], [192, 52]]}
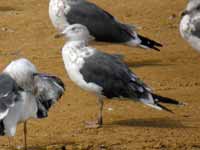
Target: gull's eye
{"points": [[198, 7], [73, 29]]}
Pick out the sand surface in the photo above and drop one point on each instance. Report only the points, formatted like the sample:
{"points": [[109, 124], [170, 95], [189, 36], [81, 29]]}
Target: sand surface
{"points": [[26, 31]]}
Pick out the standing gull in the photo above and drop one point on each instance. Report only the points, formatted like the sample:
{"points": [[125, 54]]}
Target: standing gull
{"points": [[104, 74], [25, 94], [190, 24], [102, 25]]}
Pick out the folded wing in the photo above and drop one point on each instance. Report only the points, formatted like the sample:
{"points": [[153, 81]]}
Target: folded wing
{"points": [[8, 94]]}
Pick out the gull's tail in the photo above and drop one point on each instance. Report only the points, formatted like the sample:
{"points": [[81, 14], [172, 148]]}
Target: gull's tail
{"points": [[139, 40], [167, 100], [154, 100]]}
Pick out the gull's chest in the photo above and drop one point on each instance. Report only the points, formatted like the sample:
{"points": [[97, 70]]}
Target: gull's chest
{"points": [[74, 61], [189, 30], [185, 26], [188, 25]]}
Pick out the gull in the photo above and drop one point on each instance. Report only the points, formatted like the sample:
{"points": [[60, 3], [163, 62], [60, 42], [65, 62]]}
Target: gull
{"points": [[190, 24], [104, 74], [102, 25], [25, 94]]}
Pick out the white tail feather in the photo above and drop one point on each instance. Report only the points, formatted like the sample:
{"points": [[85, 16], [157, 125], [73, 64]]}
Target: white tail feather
{"points": [[154, 106], [149, 101]]}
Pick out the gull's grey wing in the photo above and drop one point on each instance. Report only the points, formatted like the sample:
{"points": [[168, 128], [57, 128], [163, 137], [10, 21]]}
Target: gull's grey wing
{"points": [[102, 25], [8, 94], [115, 78]]}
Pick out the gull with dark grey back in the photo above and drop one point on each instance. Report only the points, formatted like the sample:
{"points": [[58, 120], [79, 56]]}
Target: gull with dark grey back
{"points": [[104, 74], [101, 24]]}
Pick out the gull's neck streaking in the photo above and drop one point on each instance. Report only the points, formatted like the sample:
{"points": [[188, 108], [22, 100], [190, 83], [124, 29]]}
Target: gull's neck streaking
{"points": [[66, 2], [75, 48], [77, 43], [74, 55], [75, 51]]}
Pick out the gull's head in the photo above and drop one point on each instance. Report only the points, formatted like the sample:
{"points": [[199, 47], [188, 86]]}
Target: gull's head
{"points": [[77, 32], [21, 70], [193, 5]]}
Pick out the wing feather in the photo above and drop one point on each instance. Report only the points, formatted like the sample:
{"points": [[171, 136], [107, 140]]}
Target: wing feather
{"points": [[8, 94]]}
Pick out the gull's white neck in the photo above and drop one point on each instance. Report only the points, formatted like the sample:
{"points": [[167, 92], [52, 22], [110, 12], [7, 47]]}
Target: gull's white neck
{"points": [[77, 43], [65, 2], [75, 55], [74, 52], [72, 1]]}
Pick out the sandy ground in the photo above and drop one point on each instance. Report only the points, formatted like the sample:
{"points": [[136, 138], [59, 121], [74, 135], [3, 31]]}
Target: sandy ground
{"points": [[26, 31]]}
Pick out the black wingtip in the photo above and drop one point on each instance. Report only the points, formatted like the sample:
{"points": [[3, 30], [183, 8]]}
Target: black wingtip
{"points": [[155, 48], [150, 43], [59, 81], [167, 100], [165, 108]]}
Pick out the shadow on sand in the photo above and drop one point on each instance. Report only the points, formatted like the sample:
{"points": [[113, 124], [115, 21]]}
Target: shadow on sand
{"points": [[7, 8], [152, 122], [59, 146], [146, 63]]}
